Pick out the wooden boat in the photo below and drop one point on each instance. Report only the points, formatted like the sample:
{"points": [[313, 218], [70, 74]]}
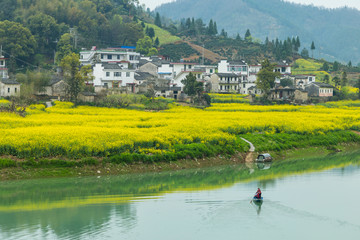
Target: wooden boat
{"points": [[265, 157], [258, 201]]}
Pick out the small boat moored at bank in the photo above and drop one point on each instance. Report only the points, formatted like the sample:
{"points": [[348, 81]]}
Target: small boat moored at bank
{"points": [[265, 157]]}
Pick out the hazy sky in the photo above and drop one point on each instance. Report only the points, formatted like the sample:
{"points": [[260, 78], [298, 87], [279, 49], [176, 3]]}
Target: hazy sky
{"points": [[326, 3]]}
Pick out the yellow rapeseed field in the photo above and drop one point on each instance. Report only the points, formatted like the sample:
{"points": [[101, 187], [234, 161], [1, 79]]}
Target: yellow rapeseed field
{"points": [[93, 131]]}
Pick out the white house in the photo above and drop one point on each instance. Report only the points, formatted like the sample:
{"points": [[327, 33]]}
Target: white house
{"points": [[198, 73], [283, 68], [253, 71], [225, 83], [206, 69], [149, 67], [124, 54], [250, 81], [317, 89], [179, 67], [300, 81], [3, 68], [112, 75], [8, 87], [237, 67], [165, 71]]}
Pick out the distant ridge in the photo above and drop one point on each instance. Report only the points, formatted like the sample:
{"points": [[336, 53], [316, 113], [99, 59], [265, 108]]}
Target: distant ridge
{"points": [[336, 32]]}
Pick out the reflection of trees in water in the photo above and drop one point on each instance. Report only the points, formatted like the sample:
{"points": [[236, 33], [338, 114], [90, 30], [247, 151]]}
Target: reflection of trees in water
{"points": [[263, 184], [69, 221]]}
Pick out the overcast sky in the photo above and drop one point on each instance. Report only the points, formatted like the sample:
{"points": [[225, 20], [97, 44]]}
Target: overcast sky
{"points": [[326, 3]]}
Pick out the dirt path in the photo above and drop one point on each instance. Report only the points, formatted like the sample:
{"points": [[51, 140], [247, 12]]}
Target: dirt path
{"points": [[214, 57], [250, 154]]}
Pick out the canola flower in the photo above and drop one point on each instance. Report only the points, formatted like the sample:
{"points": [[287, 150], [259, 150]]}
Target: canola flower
{"points": [[228, 98], [65, 130]]}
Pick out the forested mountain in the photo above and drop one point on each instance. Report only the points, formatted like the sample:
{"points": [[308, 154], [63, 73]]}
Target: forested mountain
{"points": [[335, 32]]}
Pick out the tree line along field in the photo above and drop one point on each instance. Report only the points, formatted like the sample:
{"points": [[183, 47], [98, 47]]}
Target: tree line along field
{"points": [[122, 135]]}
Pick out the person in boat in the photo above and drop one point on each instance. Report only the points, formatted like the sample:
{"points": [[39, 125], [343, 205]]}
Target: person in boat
{"points": [[258, 194]]}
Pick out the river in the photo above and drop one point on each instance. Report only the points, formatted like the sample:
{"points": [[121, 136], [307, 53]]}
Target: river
{"points": [[312, 198]]}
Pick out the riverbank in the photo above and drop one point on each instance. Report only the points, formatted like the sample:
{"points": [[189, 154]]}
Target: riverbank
{"points": [[98, 168]]}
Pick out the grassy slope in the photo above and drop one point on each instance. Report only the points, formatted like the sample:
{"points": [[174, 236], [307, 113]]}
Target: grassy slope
{"points": [[313, 66], [164, 36], [310, 66]]}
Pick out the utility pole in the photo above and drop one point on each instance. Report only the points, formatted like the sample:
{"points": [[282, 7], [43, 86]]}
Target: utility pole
{"points": [[203, 54], [74, 34], [56, 41]]}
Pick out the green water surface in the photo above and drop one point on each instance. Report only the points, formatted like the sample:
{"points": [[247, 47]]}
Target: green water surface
{"points": [[312, 198]]}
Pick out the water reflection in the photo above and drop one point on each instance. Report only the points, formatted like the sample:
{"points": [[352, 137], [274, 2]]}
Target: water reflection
{"points": [[257, 205], [263, 165], [72, 208]]}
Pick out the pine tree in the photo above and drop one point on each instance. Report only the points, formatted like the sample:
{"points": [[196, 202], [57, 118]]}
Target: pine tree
{"points": [[298, 45], [312, 49], [248, 37], [188, 23], [344, 79], [157, 42], [293, 44], [151, 32], [215, 29], [336, 66], [157, 20], [211, 28], [223, 33]]}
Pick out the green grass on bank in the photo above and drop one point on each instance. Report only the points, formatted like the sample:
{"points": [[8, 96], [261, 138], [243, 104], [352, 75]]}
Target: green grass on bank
{"points": [[263, 142]]}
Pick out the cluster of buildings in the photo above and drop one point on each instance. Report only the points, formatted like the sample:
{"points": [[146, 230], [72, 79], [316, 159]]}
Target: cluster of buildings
{"points": [[122, 69]]}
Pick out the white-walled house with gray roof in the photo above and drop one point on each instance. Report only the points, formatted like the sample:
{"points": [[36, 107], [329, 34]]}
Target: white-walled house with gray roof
{"points": [[124, 54], [225, 83], [8, 87], [112, 75]]}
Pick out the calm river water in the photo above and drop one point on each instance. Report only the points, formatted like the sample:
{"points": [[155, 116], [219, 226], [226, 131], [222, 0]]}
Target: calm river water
{"points": [[303, 199]]}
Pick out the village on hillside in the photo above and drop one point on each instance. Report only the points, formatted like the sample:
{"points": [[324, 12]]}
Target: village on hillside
{"points": [[123, 70]]}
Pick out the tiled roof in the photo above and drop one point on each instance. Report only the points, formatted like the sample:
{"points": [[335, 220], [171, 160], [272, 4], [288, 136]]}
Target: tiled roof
{"points": [[227, 75], [142, 75], [9, 81], [323, 85], [111, 66]]}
